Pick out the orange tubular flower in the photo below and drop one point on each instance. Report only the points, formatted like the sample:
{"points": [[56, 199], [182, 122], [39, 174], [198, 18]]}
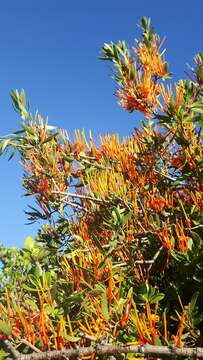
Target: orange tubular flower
{"points": [[126, 314], [168, 95], [78, 148], [151, 59], [181, 237], [140, 94], [177, 161], [157, 204], [165, 236]]}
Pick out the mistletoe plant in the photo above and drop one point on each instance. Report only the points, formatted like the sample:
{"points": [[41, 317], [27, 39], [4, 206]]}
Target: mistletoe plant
{"points": [[119, 258]]}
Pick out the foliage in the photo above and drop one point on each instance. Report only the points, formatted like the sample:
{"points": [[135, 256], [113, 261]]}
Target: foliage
{"points": [[119, 258]]}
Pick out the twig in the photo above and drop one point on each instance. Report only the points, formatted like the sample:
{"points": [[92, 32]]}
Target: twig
{"points": [[135, 262], [196, 227], [154, 258], [76, 205], [141, 205], [165, 175], [88, 337], [80, 196], [144, 230]]}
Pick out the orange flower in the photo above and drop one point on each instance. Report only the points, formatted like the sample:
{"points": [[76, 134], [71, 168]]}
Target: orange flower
{"points": [[140, 94], [157, 203], [151, 59], [181, 237], [171, 98], [165, 236], [78, 148], [126, 314], [177, 162]]}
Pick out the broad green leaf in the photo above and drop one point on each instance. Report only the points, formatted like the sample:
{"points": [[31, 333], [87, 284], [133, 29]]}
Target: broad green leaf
{"points": [[190, 243], [196, 238], [5, 328], [37, 271], [157, 341], [29, 243]]}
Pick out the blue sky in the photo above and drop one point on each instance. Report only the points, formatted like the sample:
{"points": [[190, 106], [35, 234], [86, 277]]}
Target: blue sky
{"points": [[50, 48]]}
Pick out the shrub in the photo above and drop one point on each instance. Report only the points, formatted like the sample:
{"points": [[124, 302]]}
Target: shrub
{"points": [[119, 257]]}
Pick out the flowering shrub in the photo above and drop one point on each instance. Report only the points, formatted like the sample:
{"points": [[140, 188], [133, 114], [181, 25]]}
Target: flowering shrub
{"points": [[119, 257]]}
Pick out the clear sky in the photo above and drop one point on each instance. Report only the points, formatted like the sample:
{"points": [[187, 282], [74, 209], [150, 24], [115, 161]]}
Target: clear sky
{"points": [[50, 48]]}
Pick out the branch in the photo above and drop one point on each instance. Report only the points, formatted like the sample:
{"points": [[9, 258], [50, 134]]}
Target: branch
{"points": [[79, 196], [115, 350], [11, 349], [140, 262], [76, 205]]}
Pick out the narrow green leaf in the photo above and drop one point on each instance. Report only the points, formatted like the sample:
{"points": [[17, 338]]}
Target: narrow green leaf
{"points": [[72, 338], [200, 111], [104, 306]]}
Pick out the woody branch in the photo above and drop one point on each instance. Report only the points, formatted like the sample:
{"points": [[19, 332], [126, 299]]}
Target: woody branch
{"points": [[169, 351]]}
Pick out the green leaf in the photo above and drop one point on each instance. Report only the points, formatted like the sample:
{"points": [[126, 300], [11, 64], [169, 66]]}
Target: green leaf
{"points": [[15, 98], [130, 293], [5, 328], [28, 129], [200, 121], [164, 118], [104, 306], [190, 243], [37, 271], [23, 98], [127, 217], [34, 281], [72, 338], [3, 145], [144, 22], [196, 239], [146, 293], [12, 154], [29, 243], [49, 138], [28, 288], [200, 111], [75, 299], [3, 354], [193, 301], [157, 341], [99, 289], [156, 298], [19, 103], [178, 257], [98, 244]]}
